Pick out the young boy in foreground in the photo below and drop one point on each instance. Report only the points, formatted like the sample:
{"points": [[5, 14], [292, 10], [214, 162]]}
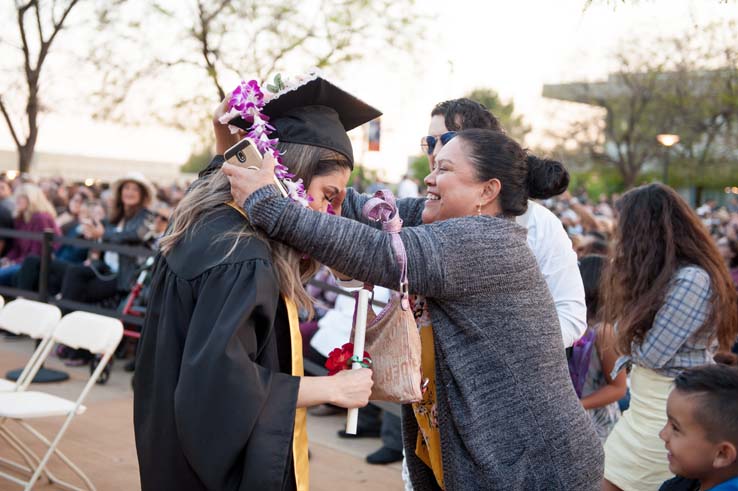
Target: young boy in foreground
{"points": [[701, 434]]}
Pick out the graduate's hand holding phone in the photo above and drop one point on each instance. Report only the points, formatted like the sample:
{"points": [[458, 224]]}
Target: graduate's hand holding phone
{"points": [[245, 181]]}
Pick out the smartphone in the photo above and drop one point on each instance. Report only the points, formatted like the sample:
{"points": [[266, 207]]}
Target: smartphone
{"points": [[245, 154]]}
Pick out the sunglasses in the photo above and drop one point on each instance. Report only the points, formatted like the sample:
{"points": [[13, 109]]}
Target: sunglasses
{"points": [[162, 217], [428, 143]]}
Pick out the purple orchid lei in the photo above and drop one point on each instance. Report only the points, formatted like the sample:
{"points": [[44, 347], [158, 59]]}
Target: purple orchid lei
{"points": [[247, 101]]}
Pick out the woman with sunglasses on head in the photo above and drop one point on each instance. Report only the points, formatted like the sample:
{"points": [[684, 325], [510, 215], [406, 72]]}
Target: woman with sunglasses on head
{"points": [[504, 412], [671, 298]]}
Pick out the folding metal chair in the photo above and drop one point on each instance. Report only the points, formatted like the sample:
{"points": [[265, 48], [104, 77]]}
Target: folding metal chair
{"points": [[99, 335], [36, 320]]}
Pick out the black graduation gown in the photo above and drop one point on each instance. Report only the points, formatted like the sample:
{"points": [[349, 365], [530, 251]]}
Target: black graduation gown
{"points": [[214, 401]]}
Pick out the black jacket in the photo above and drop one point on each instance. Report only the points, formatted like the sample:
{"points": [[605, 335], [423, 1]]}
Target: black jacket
{"points": [[214, 401], [137, 231]]}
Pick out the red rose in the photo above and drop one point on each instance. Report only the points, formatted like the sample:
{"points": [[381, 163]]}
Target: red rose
{"points": [[340, 358]]}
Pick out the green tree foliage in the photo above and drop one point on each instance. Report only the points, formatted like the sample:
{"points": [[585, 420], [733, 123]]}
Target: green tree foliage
{"points": [[419, 168], [198, 161], [685, 85]]}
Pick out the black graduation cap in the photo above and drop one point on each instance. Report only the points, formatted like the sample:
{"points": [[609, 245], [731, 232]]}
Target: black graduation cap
{"points": [[316, 113]]}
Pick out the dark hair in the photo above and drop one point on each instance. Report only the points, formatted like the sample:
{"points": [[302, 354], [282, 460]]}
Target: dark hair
{"points": [[461, 114], [733, 245], [658, 233], [590, 267], [716, 387], [546, 177], [497, 156], [599, 247]]}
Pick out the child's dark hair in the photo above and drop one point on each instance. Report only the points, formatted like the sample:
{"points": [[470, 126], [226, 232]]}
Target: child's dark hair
{"points": [[716, 387]]}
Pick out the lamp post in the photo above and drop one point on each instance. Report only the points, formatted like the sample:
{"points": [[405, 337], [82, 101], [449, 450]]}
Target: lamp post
{"points": [[668, 141]]}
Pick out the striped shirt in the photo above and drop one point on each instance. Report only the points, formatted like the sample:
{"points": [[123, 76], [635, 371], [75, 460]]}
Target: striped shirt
{"points": [[675, 341]]}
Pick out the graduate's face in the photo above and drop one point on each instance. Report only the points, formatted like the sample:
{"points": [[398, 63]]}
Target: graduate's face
{"points": [[453, 187], [691, 454], [324, 189]]}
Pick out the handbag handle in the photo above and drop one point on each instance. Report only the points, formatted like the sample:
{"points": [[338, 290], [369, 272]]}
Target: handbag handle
{"points": [[383, 208]]}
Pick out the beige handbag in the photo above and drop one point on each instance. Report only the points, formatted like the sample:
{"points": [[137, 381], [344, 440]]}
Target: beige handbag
{"points": [[392, 337]]}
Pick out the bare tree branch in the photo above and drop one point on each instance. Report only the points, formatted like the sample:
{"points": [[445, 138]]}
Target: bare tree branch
{"points": [[10, 123]]}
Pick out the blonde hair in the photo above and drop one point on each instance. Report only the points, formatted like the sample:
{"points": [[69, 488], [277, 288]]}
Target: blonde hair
{"points": [[208, 194], [37, 201]]}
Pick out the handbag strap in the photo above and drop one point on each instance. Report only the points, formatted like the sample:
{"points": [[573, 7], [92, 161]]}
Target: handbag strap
{"points": [[383, 208]]}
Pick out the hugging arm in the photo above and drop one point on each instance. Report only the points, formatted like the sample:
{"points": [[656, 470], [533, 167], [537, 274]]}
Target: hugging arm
{"points": [[410, 209], [355, 249]]}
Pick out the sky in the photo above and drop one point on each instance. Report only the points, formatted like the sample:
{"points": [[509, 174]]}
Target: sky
{"points": [[511, 46]]}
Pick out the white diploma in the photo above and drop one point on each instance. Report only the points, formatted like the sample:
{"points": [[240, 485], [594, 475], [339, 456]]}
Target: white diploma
{"points": [[359, 335]]}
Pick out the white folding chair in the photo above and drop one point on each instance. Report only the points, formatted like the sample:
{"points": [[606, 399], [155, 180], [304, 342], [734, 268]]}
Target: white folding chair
{"points": [[93, 332], [34, 319]]}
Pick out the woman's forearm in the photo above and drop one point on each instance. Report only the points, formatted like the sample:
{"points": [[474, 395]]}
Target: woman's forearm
{"points": [[362, 252], [348, 388], [605, 395], [314, 391], [410, 209]]}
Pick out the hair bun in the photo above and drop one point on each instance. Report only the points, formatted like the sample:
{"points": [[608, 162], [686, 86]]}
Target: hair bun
{"points": [[546, 177], [726, 358]]}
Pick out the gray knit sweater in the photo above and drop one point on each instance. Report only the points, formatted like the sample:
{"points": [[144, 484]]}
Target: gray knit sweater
{"points": [[508, 415]]}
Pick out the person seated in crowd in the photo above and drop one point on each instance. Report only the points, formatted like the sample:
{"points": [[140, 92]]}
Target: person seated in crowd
{"points": [[131, 223], [6, 195], [601, 392], [71, 225], [60, 196], [162, 212], [33, 213], [701, 434]]}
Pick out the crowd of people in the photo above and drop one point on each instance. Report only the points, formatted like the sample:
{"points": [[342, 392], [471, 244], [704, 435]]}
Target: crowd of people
{"points": [[130, 211], [568, 343]]}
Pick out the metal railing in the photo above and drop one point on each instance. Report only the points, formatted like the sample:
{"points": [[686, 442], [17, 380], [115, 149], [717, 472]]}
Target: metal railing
{"points": [[48, 239]]}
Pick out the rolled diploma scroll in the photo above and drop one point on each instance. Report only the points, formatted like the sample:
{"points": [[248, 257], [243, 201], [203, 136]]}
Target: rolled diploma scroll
{"points": [[359, 334]]}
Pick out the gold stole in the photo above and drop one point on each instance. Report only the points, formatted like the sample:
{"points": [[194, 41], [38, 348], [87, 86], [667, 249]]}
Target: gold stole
{"points": [[299, 437]]}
